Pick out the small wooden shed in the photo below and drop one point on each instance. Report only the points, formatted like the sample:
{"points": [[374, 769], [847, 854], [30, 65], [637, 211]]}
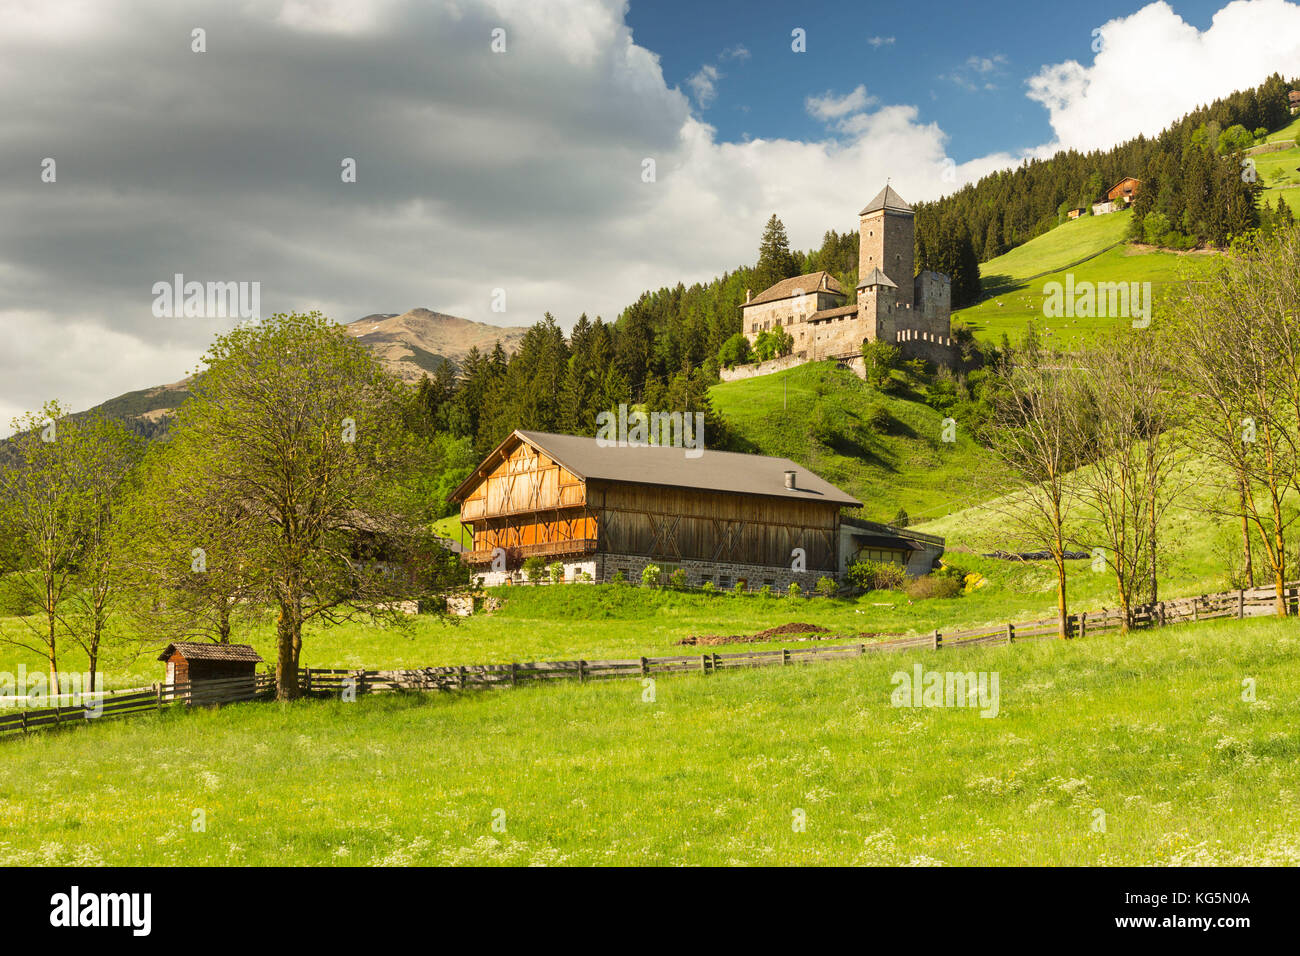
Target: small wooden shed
{"points": [[194, 661]]}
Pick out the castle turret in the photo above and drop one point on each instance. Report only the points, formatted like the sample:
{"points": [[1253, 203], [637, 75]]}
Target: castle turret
{"points": [[886, 242]]}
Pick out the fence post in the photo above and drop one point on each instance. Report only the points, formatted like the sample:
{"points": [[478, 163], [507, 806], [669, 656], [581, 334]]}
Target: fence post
{"points": [[645, 667], [460, 678], [514, 674], [24, 721], [306, 680], [157, 690], [704, 663], [1011, 633], [715, 661], [1241, 604], [582, 671], [935, 639], [785, 656]]}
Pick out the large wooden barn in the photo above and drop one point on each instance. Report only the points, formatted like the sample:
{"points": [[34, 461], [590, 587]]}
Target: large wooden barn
{"points": [[597, 509]]}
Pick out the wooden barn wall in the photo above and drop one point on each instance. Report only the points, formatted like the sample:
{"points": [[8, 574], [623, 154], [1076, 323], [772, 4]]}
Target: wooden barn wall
{"points": [[521, 530], [677, 523], [525, 481]]}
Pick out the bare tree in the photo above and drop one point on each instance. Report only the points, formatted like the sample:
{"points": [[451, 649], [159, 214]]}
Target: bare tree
{"points": [[1135, 469], [1243, 381], [1035, 439]]}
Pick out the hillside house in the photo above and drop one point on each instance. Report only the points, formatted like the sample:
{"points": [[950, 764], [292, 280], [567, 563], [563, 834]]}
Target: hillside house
{"points": [[1293, 98], [719, 517], [1118, 196], [1076, 212], [891, 303]]}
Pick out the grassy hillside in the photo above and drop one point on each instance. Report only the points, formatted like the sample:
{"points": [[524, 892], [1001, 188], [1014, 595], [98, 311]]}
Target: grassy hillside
{"points": [[1279, 172], [1066, 244], [1150, 729], [1010, 310], [900, 463]]}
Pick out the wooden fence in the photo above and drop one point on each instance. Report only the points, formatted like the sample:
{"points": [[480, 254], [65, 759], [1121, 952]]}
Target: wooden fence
{"points": [[125, 703], [325, 682]]}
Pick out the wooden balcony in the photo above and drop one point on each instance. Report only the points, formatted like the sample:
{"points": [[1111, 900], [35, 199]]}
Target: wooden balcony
{"points": [[546, 549]]}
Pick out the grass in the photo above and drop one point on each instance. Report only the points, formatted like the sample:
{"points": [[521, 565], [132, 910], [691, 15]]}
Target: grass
{"points": [[1057, 249], [904, 464], [1150, 729], [1010, 311]]}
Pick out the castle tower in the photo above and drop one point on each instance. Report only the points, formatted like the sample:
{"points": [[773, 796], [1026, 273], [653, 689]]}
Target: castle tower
{"points": [[886, 242]]}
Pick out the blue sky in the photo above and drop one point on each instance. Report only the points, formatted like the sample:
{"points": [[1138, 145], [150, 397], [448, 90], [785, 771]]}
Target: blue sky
{"points": [[964, 66]]}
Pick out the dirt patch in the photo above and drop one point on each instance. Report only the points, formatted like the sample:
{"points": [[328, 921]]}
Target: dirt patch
{"points": [[793, 631]]}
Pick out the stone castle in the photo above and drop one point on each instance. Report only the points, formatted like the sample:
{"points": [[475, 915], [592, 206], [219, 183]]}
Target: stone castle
{"points": [[913, 312]]}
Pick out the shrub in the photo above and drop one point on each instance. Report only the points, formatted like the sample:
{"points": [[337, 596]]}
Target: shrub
{"points": [[585, 577], [878, 419], [651, 575], [618, 578], [876, 575], [741, 586], [677, 579], [933, 586], [534, 569], [826, 586], [765, 591], [556, 571], [794, 591], [709, 587]]}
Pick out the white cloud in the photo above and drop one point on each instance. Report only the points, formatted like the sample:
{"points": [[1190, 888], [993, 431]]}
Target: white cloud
{"points": [[878, 42], [828, 106], [1154, 67], [704, 84], [476, 170]]}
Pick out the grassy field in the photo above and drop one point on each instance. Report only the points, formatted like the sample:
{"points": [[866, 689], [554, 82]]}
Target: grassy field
{"points": [[1066, 244], [1280, 172], [902, 464], [1011, 310], [1109, 750]]}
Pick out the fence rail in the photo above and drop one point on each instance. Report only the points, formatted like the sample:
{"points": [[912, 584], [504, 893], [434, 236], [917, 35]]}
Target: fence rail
{"points": [[333, 682]]}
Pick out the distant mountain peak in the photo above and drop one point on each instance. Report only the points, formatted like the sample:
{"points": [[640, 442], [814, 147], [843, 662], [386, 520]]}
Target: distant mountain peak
{"points": [[417, 342]]}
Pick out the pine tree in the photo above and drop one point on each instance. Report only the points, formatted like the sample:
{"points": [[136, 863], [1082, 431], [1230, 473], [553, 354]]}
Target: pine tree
{"points": [[774, 259]]}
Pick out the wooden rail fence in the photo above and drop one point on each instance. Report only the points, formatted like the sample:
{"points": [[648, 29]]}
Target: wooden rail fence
{"points": [[327, 682]]}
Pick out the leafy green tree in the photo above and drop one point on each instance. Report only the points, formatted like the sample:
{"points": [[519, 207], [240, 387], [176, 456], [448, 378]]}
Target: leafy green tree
{"points": [[735, 351], [58, 494], [296, 425]]}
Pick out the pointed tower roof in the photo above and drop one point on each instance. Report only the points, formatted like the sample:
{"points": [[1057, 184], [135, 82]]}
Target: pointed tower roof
{"points": [[889, 201], [877, 278]]}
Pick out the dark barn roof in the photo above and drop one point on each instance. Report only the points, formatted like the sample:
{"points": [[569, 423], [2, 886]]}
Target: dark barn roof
{"points": [[663, 465], [202, 651]]}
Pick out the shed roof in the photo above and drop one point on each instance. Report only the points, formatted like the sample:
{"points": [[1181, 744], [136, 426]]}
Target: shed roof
{"points": [[668, 466], [204, 651]]}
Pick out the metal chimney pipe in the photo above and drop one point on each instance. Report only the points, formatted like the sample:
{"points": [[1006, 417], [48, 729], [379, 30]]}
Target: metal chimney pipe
{"points": [[789, 480]]}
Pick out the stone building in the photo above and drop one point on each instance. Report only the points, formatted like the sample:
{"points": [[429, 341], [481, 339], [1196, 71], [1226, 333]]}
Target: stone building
{"points": [[891, 303]]}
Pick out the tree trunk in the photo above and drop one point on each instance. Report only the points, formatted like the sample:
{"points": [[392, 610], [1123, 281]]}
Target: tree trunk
{"points": [[1249, 571], [1063, 620], [286, 669]]}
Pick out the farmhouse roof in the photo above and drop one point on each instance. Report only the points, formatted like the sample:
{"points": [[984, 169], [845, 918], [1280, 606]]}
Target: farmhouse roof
{"points": [[668, 466], [887, 200], [876, 277], [806, 284], [202, 651], [1294, 96]]}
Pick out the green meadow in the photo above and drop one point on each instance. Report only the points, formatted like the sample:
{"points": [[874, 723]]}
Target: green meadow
{"points": [[1148, 749], [886, 450], [1009, 311]]}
